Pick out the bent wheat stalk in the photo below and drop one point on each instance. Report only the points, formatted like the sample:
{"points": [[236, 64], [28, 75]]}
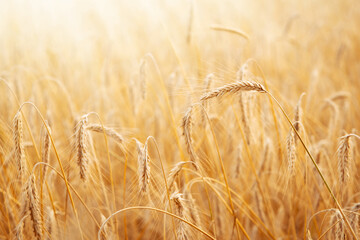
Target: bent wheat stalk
{"points": [[157, 210], [230, 30]]}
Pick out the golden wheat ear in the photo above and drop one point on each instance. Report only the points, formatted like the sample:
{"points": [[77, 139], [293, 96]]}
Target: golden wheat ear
{"points": [[108, 131], [81, 146], [32, 207], [45, 155], [180, 210], [233, 88], [187, 127], [19, 150], [344, 158], [144, 166]]}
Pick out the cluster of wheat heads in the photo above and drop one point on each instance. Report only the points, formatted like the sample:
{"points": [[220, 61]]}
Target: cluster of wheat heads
{"points": [[190, 141], [196, 197]]}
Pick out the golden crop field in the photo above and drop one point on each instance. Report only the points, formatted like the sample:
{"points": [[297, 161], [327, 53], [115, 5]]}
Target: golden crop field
{"points": [[196, 119]]}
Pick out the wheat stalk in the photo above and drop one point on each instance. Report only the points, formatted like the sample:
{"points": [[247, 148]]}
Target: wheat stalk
{"points": [[308, 235], [106, 233]]}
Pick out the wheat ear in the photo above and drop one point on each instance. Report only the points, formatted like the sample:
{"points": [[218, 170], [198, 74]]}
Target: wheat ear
{"points": [[174, 172], [144, 166], [81, 147], [19, 146], [339, 229], [344, 159], [298, 115], [108, 131], [194, 213], [32, 207], [46, 149], [180, 210], [291, 152], [233, 88], [187, 127], [19, 230], [292, 138]]}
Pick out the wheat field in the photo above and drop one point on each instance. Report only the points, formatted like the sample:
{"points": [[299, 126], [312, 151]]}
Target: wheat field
{"points": [[179, 119]]}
